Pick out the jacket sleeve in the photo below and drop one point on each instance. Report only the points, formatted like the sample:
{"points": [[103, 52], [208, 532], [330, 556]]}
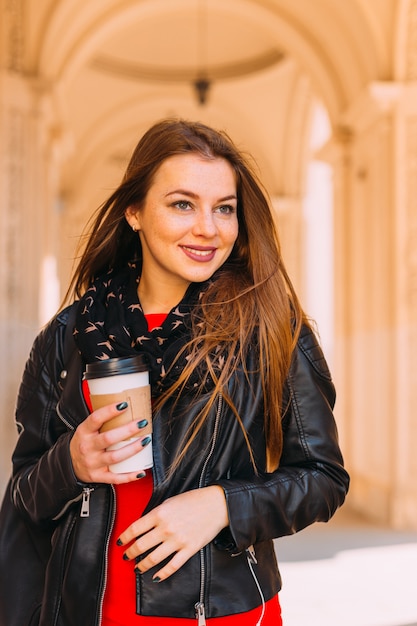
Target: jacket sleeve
{"points": [[43, 481], [310, 482]]}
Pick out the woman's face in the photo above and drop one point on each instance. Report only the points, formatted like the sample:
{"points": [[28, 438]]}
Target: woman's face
{"points": [[188, 223]]}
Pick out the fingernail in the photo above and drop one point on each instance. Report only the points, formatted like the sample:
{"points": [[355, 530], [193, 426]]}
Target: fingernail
{"points": [[121, 406], [141, 475], [142, 423], [156, 579], [119, 542], [137, 570], [125, 557], [146, 441]]}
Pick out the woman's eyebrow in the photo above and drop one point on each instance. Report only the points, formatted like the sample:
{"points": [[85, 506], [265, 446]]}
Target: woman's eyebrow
{"points": [[191, 194]]}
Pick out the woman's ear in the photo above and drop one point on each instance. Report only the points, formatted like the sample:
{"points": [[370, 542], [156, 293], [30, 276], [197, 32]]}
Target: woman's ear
{"points": [[131, 215]]}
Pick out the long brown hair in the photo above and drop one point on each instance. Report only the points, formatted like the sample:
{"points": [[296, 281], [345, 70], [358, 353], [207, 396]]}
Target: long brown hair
{"points": [[252, 298]]}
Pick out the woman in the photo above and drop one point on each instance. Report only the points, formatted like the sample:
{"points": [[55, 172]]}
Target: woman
{"points": [[182, 264]]}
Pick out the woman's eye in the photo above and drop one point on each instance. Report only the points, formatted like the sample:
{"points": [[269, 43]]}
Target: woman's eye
{"points": [[182, 204], [226, 209]]}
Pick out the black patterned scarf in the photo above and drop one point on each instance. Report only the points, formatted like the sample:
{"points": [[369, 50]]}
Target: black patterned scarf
{"points": [[110, 323]]}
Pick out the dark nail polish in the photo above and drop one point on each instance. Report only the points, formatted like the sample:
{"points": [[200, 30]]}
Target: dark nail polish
{"points": [[119, 542], [121, 406], [142, 423], [125, 557], [137, 570], [156, 579], [146, 440], [141, 475]]}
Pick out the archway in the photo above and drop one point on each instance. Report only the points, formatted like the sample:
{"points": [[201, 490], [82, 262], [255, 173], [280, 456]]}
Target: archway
{"points": [[276, 132]]}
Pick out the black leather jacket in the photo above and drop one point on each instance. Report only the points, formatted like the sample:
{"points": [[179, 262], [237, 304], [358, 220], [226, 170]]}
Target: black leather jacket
{"points": [[309, 486]]}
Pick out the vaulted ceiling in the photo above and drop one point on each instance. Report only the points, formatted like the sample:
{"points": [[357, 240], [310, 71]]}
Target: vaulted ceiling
{"points": [[112, 67]]}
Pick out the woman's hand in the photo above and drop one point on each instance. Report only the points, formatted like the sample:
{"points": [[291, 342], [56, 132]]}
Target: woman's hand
{"points": [[89, 456], [178, 527]]}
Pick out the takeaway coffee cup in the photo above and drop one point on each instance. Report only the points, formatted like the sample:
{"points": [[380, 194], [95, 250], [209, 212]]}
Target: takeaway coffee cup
{"points": [[123, 379]]}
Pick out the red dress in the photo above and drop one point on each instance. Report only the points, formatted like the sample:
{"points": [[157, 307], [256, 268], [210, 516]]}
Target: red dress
{"points": [[119, 606]]}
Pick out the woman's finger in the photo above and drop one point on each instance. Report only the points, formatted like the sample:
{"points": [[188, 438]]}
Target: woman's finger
{"points": [[173, 565], [180, 526], [160, 554], [89, 447]]}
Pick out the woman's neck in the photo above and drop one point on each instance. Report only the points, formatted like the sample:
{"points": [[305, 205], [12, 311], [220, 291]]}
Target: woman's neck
{"points": [[161, 301]]}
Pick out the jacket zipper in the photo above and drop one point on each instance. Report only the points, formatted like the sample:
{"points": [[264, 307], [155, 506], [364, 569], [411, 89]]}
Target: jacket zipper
{"points": [[200, 613], [85, 512], [85, 504], [106, 559], [65, 421], [86, 492], [252, 560]]}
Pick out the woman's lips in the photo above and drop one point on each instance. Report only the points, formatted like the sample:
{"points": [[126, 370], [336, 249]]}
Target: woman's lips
{"points": [[199, 253]]}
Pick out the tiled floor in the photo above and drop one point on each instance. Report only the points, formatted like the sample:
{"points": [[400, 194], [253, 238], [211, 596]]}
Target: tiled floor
{"points": [[348, 573]]}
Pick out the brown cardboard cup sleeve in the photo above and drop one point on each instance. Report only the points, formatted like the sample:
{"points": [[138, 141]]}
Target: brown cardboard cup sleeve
{"points": [[139, 407]]}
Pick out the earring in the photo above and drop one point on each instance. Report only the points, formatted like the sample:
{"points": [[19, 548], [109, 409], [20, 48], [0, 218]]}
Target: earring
{"points": [[134, 228]]}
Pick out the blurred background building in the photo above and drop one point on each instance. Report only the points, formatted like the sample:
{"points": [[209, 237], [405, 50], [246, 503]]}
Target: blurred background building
{"points": [[323, 94]]}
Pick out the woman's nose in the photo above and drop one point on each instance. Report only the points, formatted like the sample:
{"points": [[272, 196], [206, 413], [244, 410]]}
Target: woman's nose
{"points": [[205, 223]]}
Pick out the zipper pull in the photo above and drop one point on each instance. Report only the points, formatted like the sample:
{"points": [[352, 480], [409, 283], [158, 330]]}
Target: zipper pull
{"points": [[251, 556], [200, 613], [85, 505]]}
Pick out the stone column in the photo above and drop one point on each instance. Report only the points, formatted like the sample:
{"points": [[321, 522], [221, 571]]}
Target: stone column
{"points": [[27, 222], [372, 159], [404, 501], [289, 222]]}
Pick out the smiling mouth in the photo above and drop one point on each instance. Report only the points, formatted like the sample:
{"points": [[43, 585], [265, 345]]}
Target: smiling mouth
{"points": [[198, 252]]}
